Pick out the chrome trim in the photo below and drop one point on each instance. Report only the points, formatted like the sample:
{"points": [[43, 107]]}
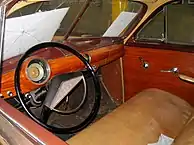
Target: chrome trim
{"points": [[9, 93], [2, 31], [22, 127], [44, 71]]}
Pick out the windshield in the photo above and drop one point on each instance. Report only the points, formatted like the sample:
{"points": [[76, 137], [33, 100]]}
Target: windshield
{"points": [[99, 16]]}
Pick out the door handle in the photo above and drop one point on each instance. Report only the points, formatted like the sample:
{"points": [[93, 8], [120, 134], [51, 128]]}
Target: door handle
{"points": [[183, 77], [186, 78]]}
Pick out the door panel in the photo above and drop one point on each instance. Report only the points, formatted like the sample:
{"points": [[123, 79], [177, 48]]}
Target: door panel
{"points": [[137, 78]]}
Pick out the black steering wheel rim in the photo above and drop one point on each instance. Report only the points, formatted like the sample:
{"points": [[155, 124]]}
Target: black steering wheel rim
{"points": [[97, 99]]}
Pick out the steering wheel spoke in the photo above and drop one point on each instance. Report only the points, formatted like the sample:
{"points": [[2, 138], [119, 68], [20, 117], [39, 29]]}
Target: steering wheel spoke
{"points": [[45, 114], [61, 87]]}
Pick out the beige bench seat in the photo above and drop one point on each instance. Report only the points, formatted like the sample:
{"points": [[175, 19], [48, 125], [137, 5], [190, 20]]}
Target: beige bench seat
{"points": [[139, 121]]}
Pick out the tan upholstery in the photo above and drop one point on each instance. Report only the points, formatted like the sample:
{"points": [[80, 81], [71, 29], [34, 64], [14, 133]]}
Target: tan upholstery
{"points": [[139, 121], [186, 137]]}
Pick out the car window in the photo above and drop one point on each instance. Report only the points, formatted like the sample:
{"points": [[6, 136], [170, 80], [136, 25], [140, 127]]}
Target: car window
{"points": [[154, 30], [173, 24], [180, 25], [96, 20]]}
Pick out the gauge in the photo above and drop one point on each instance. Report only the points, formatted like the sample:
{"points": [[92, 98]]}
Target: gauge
{"points": [[38, 71]]}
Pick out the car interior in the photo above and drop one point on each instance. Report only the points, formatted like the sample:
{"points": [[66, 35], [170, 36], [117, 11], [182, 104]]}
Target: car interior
{"points": [[91, 87]]}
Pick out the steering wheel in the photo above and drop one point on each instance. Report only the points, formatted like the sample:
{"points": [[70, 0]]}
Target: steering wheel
{"points": [[96, 104]]}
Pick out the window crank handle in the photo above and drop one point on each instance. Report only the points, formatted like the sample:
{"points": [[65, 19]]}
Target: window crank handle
{"points": [[173, 70]]}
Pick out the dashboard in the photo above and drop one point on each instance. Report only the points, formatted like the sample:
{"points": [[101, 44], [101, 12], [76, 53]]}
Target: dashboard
{"points": [[47, 63]]}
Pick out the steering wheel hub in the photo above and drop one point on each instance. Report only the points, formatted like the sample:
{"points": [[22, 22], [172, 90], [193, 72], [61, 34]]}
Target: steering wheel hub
{"points": [[38, 71]]}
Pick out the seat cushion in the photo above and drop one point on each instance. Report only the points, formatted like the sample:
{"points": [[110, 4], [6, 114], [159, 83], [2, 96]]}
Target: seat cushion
{"points": [[139, 121], [186, 137]]}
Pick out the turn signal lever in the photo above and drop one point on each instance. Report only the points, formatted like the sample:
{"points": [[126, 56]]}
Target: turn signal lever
{"points": [[183, 77]]}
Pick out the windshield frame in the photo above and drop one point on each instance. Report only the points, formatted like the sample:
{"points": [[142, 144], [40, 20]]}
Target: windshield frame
{"points": [[2, 30], [136, 20], [5, 5]]}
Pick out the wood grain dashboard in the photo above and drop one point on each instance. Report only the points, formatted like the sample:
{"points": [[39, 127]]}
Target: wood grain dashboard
{"points": [[59, 62]]}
